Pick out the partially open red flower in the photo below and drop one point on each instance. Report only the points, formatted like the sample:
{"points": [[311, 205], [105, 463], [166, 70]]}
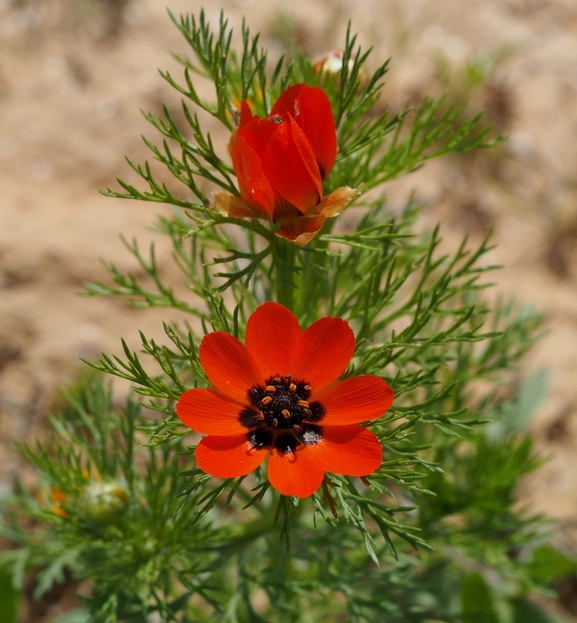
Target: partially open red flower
{"points": [[281, 163], [278, 396]]}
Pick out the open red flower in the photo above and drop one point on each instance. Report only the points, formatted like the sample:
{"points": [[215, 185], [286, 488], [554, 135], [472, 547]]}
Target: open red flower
{"points": [[281, 163], [278, 396]]}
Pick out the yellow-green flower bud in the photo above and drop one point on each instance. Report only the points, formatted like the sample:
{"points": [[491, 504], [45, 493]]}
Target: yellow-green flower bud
{"points": [[104, 502]]}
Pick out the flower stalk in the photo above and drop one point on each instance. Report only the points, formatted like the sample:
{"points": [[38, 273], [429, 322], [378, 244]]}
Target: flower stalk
{"points": [[286, 274]]}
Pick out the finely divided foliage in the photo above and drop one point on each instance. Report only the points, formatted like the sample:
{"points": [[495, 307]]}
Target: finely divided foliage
{"points": [[379, 276], [186, 547]]}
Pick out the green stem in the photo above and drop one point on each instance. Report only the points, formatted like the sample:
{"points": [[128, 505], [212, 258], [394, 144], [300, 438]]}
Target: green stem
{"points": [[313, 285], [285, 272]]}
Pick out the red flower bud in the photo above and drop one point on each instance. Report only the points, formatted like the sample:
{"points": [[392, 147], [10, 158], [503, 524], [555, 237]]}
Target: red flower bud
{"points": [[281, 163]]}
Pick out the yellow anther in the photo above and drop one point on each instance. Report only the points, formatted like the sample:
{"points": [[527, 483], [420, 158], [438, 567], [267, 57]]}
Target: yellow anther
{"points": [[266, 401]]}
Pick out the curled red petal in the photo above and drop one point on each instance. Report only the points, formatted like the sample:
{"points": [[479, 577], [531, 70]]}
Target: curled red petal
{"points": [[286, 103], [210, 412], [228, 365], [301, 229], [356, 400], [258, 133], [318, 124], [323, 352], [296, 473], [246, 115], [307, 154], [228, 457], [272, 332], [292, 168], [348, 450], [253, 184]]}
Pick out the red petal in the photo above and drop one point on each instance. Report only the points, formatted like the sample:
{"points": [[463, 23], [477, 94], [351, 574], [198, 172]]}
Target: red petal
{"points": [[246, 115], [210, 412], [348, 450], [297, 473], [227, 457], [301, 229], [286, 103], [323, 353], [228, 365], [318, 124], [356, 400], [253, 184], [307, 154], [292, 170], [258, 133], [272, 332]]}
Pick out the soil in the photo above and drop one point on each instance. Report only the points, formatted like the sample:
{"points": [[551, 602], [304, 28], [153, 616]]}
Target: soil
{"points": [[74, 73]]}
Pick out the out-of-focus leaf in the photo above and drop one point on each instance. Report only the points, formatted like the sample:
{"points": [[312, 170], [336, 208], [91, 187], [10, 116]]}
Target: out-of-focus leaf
{"points": [[477, 600], [530, 396], [78, 615], [525, 611], [549, 564], [9, 598]]}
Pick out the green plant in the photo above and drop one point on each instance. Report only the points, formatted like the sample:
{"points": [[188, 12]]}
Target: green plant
{"points": [[433, 534]]}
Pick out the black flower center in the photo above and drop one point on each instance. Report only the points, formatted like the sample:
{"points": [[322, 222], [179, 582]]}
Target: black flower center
{"points": [[281, 415]]}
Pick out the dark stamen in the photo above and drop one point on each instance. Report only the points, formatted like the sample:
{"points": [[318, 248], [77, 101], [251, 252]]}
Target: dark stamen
{"points": [[282, 415]]}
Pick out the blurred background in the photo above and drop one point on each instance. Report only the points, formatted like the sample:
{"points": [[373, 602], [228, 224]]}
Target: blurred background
{"points": [[73, 75]]}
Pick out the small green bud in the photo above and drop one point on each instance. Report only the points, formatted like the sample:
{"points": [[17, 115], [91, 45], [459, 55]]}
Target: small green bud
{"points": [[147, 545], [104, 502]]}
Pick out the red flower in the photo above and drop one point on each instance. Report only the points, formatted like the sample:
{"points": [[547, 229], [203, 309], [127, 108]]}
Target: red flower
{"points": [[277, 396], [281, 163]]}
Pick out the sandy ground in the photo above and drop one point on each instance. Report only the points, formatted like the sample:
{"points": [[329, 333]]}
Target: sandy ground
{"points": [[74, 73]]}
